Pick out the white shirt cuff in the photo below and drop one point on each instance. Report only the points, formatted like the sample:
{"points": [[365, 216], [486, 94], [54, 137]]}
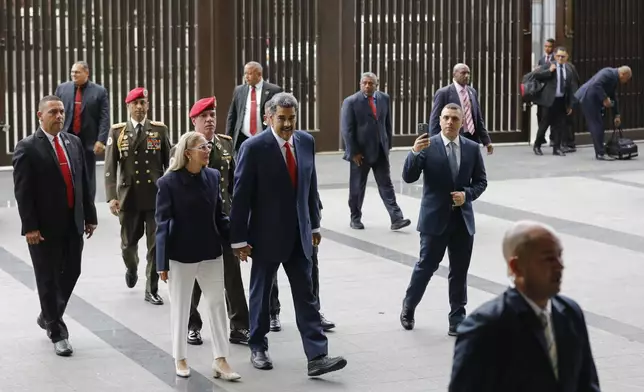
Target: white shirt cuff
{"points": [[314, 231], [239, 245], [415, 153]]}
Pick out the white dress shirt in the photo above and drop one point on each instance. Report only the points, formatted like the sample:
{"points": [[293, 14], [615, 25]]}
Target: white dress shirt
{"points": [[259, 87], [457, 142], [62, 144], [135, 123]]}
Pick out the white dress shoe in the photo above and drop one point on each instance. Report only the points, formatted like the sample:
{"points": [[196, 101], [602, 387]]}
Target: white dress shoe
{"points": [[182, 372], [218, 373]]}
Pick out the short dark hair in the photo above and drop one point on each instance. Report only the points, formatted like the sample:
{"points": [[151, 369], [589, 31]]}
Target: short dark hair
{"points": [[453, 106], [551, 40], [283, 100], [45, 99]]}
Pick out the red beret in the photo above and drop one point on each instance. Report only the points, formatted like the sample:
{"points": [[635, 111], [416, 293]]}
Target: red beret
{"points": [[209, 103], [139, 92]]}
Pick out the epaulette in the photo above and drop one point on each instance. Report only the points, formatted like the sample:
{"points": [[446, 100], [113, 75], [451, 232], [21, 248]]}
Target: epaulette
{"points": [[157, 123], [224, 136], [119, 125]]}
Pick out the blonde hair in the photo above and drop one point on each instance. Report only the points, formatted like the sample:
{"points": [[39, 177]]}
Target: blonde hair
{"points": [[179, 160]]}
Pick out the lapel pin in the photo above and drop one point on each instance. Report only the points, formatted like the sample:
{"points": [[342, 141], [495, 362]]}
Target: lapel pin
{"points": [[66, 141]]}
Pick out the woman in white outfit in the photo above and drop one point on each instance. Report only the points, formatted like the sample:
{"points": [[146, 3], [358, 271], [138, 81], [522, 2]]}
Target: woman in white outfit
{"points": [[191, 231]]}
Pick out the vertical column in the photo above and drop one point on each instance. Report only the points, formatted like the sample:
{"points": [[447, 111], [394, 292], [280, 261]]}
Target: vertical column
{"points": [[335, 56]]}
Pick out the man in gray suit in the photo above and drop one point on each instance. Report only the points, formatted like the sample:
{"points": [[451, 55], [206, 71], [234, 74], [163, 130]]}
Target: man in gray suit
{"points": [[247, 109], [366, 130], [556, 100]]}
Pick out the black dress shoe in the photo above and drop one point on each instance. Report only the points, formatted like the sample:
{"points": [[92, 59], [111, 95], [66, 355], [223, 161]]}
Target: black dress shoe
{"points": [[194, 337], [604, 158], [452, 330], [407, 318], [537, 150], [325, 364], [357, 225], [326, 324], [261, 360], [63, 348], [275, 325], [131, 277], [239, 336], [399, 224], [559, 153], [153, 298]]}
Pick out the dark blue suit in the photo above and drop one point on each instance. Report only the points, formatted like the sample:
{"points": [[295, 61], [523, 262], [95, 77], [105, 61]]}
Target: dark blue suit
{"points": [[448, 94], [501, 347], [276, 220], [371, 136], [441, 225], [95, 120], [591, 96]]}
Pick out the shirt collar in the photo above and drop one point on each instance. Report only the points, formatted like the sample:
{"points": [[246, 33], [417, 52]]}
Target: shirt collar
{"points": [[375, 95], [281, 142], [536, 308], [135, 123], [446, 141], [459, 87], [259, 85], [50, 137]]}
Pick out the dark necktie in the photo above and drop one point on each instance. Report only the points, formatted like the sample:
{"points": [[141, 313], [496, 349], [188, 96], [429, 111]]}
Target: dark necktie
{"points": [[453, 162], [561, 79], [66, 171]]}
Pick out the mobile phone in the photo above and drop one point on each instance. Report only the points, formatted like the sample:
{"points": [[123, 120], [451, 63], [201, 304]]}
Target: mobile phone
{"points": [[423, 128]]}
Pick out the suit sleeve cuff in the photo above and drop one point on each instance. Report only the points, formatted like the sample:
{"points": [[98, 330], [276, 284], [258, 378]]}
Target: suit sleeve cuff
{"points": [[238, 245], [415, 153], [315, 231]]}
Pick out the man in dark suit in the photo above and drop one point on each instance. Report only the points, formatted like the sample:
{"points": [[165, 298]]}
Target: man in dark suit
{"points": [[556, 99], [87, 115], [52, 190], [568, 139], [528, 339], [454, 176], [597, 92], [547, 58], [246, 112], [462, 94], [275, 218], [366, 130]]}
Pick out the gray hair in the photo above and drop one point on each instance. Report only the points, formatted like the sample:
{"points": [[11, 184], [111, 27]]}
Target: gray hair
{"points": [[179, 160], [625, 69], [283, 100], [83, 64], [458, 66], [520, 236], [371, 76], [267, 106], [254, 64]]}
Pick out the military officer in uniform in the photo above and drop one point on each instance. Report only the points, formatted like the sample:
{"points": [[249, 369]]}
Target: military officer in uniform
{"points": [[139, 151], [204, 118]]}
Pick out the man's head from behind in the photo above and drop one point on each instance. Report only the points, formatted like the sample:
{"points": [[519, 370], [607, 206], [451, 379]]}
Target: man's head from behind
{"points": [[283, 114], [533, 253], [204, 117], [624, 73], [51, 114]]}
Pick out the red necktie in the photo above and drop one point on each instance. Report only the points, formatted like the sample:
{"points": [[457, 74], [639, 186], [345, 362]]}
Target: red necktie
{"points": [[253, 111], [373, 106], [67, 173], [290, 164], [78, 102]]}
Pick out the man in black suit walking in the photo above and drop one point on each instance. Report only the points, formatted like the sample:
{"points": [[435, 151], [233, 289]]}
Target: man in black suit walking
{"points": [[246, 112], [556, 100], [52, 190], [87, 115], [453, 177], [465, 96], [366, 130], [529, 338]]}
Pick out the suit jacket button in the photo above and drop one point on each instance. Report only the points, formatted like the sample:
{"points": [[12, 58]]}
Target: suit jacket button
{"points": [[146, 162], [149, 181], [137, 172], [147, 171], [136, 152], [137, 181], [136, 162]]}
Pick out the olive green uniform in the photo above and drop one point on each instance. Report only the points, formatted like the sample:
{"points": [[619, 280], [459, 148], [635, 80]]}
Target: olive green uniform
{"points": [[221, 158], [139, 158]]}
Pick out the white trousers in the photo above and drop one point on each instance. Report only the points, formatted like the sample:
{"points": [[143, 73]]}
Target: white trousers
{"points": [[181, 280]]}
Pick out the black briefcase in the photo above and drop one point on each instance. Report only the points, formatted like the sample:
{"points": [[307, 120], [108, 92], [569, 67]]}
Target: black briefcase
{"points": [[620, 147]]}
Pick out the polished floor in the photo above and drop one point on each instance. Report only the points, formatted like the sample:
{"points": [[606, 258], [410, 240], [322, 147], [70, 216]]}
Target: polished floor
{"points": [[123, 343]]}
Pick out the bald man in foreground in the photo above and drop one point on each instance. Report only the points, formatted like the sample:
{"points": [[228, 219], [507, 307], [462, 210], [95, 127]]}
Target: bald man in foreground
{"points": [[528, 339]]}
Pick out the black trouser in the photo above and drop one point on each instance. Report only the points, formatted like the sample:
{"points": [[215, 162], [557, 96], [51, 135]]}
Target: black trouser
{"points": [[458, 242], [90, 165], [358, 183], [235, 297], [274, 304], [133, 225], [57, 266], [554, 117]]}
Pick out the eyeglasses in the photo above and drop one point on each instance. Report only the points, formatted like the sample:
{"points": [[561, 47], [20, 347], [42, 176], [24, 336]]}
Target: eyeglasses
{"points": [[202, 147]]}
